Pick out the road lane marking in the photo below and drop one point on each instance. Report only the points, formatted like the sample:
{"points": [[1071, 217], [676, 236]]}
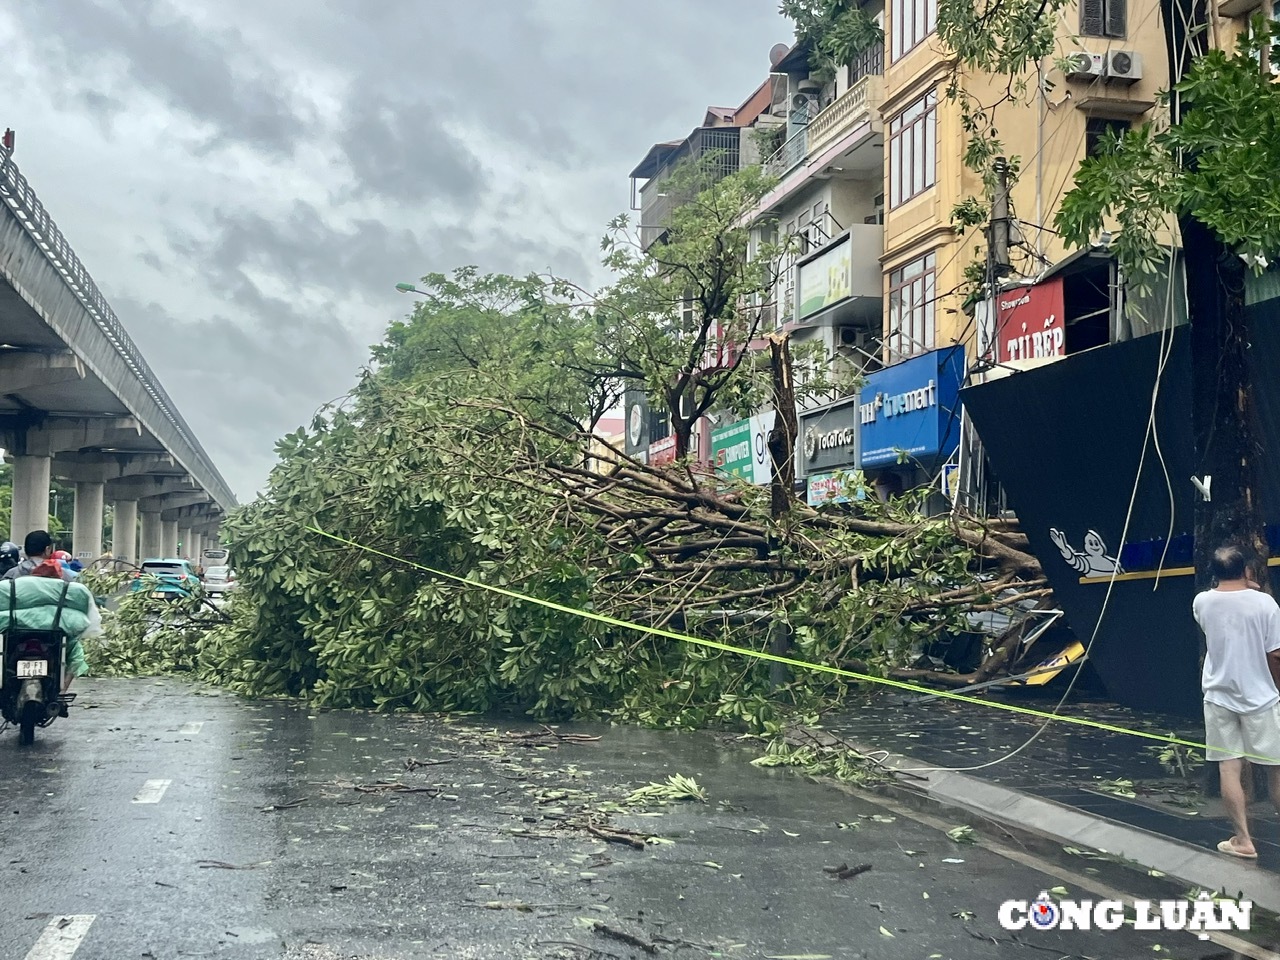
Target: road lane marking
{"points": [[191, 728], [152, 791], [61, 938]]}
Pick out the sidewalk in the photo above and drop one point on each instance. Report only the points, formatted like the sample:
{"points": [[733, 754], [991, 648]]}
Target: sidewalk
{"points": [[1058, 786]]}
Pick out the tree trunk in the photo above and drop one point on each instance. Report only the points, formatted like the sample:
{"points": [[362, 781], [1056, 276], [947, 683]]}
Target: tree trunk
{"points": [[782, 438], [1224, 416]]}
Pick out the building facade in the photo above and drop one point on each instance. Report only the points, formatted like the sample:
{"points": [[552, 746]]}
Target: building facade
{"points": [[870, 167]]}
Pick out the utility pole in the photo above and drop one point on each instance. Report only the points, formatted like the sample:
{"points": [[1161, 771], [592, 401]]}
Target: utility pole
{"points": [[999, 242], [1228, 441]]}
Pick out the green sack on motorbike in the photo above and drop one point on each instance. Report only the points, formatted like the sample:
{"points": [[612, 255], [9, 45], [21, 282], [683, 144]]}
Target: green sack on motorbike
{"points": [[35, 602]]}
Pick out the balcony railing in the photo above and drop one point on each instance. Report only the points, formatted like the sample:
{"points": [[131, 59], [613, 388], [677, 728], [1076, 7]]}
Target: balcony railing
{"points": [[788, 156], [857, 106]]}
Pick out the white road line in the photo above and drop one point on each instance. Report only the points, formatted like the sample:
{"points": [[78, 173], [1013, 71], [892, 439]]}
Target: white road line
{"points": [[191, 728], [61, 938], [152, 791]]}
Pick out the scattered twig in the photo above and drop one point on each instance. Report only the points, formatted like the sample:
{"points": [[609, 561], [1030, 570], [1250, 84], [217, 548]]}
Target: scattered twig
{"points": [[412, 764], [625, 837], [846, 872], [223, 865], [287, 805], [396, 788], [630, 939]]}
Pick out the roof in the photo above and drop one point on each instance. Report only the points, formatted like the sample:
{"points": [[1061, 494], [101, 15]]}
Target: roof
{"points": [[718, 113], [655, 158], [797, 58]]}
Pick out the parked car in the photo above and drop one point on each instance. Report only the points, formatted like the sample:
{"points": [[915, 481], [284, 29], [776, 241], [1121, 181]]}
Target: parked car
{"points": [[219, 581], [175, 578]]}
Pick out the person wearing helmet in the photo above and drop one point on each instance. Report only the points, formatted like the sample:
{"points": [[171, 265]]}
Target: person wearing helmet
{"points": [[10, 556], [38, 546]]}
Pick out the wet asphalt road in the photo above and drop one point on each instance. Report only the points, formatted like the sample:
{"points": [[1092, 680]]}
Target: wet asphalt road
{"points": [[188, 823]]}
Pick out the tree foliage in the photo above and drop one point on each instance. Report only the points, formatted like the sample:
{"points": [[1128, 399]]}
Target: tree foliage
{"points": [[836, 30], [1229, 136]]}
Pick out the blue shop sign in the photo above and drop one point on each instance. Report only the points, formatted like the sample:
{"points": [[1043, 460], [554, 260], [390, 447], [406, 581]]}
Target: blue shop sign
{"points": [[912, 408]]}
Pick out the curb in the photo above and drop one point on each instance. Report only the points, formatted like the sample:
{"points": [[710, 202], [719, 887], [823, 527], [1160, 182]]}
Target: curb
{"points": [[1193, 866]]}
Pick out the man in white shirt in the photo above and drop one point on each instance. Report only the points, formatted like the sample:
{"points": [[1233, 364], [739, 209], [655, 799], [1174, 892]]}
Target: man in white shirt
{"points": [[1241, 625]]}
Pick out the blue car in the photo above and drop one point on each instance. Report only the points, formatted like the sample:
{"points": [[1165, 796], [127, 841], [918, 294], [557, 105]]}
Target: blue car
{"points": [[175, 579]]}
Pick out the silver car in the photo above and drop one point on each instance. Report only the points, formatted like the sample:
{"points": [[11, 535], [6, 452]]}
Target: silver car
{"points": [[219, 581]]}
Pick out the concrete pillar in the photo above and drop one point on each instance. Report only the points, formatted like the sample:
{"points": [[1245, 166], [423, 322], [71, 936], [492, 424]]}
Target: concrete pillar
{"points": [[169, 533], [184, 542], [30, 507], [86, 527], [124, 530], [151, 539]]}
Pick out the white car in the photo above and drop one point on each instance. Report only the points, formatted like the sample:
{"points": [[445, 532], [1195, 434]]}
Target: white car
{"points": [[219, 581]]}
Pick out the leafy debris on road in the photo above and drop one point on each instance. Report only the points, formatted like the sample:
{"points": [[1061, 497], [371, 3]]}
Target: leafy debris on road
{"points": [[963, 834], [677, 787], [411, 764]]}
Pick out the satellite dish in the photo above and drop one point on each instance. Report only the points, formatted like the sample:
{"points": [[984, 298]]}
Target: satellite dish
{"points": [[776, 54]]}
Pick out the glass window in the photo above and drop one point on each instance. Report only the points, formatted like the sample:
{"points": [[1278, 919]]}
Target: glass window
{"points": [[912, 294], [913, 20], [913, 150], [1103, 18]]}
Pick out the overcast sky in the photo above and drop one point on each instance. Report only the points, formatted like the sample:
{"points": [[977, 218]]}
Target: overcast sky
{"points": [[247, 180]]}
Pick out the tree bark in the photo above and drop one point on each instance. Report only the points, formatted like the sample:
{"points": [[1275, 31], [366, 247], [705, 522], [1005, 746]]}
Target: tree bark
{"points": [[782, 438]]}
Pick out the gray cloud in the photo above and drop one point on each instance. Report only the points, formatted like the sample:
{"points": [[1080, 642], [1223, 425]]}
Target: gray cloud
{"points": [[206, 74]]}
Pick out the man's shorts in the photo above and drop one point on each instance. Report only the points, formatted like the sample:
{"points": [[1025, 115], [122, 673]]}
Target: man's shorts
{"points": [[1254, 736]]}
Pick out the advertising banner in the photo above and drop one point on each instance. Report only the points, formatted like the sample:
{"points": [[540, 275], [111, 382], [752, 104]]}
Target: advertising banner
{"points": [[833, 488], [826, 279], [912, 409], [662, 451]]}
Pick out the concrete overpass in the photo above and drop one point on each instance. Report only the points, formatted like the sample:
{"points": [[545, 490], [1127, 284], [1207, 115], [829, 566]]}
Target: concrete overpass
{"points": [[79, 403]]}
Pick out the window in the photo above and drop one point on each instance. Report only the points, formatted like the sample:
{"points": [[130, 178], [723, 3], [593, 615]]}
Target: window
{"points": [[912, 291], [1102, 18], [913, 20], [1096, 128], [913, 150]]}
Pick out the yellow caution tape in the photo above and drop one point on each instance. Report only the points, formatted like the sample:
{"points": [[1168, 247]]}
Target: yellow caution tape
{"points": [[789, 661]]}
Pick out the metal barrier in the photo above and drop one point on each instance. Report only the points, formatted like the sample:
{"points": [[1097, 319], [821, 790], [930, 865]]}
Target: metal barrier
{"points": [[26, 206]]}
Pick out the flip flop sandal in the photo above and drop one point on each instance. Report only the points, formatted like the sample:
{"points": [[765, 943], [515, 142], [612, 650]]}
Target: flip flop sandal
{"points": [[1226, 847]]}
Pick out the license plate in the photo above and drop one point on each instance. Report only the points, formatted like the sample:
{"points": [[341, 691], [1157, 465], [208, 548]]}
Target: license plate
{"points": [[157, 594], [33, 668]]}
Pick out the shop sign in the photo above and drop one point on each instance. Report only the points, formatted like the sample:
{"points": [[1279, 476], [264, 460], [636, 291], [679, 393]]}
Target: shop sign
{"points": [[1030, 323], [834, 488], [829, 437], [742, 449], [912, 408], [662, 451], [826, 279]]}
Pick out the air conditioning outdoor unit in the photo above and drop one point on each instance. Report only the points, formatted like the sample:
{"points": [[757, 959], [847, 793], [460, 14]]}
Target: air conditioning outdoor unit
{"points": [[1086, 66], [1124, 66], [853, 337]]}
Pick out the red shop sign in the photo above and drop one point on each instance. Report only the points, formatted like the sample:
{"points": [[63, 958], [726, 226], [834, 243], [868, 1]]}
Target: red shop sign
{"points": [[1030, 322], [662, 451]]}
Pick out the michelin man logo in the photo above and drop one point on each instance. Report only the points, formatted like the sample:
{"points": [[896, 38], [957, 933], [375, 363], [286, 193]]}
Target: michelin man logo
{"points": [[1092, 561]]}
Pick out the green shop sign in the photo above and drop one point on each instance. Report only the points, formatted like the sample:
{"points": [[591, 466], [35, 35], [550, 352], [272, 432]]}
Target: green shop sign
{"points": [[731, 449]]}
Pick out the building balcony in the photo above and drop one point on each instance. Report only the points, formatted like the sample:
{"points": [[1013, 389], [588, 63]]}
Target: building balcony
{"points": [[858, 106], [717, 150], [788, 156]]}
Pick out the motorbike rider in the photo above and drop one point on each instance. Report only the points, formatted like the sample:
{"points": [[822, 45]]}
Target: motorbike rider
{"points": [[10, 556], [38, 546]]}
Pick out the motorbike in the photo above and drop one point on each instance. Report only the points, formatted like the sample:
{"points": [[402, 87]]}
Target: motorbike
{"points": [[31, 674]]}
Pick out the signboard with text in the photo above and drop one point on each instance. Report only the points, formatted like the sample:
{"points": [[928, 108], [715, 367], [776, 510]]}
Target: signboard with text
{"points": [[828, 437], [662, 451], [835, 487], [912, 409], [742, 449], [1030, 323]]}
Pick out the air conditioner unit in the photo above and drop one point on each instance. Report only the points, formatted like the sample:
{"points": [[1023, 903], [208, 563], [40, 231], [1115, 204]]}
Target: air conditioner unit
{"points": [[1086, 66], [1124, 66], [853, 337]]}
